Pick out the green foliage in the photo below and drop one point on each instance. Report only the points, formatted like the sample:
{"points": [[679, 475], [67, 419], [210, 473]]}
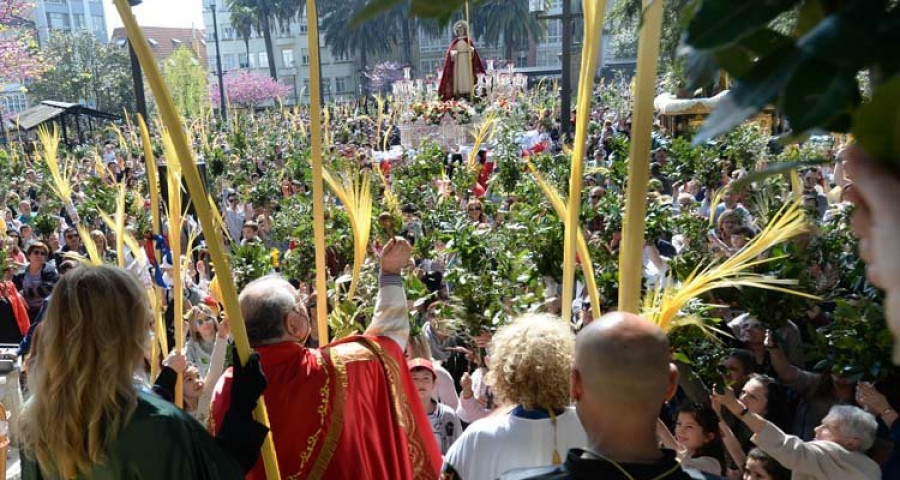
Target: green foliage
{"points": [[249, 262], [85, 70], [45, 224], [688, 162], [858, 344], [811, 74], [509, 165], [187, 82], [704, 353]]}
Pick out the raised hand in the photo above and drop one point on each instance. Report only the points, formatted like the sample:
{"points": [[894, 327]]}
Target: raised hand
{"points": [[395, 256]]}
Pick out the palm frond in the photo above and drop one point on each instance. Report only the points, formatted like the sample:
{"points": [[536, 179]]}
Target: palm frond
{"points": [[664, 305], [587, 265], [60, 183], [356, 196]]}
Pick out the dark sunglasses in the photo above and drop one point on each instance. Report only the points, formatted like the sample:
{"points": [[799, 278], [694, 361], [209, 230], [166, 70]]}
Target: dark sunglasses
{"points": [[72, 236], [39, 252], [474, 209]]}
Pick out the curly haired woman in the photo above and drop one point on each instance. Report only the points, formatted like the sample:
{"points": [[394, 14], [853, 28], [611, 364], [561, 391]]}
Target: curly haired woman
{"points": [[88, 417], [530, 368]]}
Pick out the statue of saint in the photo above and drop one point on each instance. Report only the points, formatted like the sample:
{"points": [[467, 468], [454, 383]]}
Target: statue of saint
{"points": [[461, 65]]}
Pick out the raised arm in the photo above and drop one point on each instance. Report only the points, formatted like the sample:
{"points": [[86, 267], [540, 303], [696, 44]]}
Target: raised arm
{"points": [[391, 317], [787, 372]]}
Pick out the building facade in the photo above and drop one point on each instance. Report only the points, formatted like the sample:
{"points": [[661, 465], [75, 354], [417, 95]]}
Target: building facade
{"points": [[69, 16], [340, 75], [163, 41]]}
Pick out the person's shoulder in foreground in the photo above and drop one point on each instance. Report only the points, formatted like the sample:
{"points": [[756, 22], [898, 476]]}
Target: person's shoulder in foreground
{"points": [[161, 442]]}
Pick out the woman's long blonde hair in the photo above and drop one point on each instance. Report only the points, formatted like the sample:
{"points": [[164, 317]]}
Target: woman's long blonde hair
{"points": [[90, 345]]}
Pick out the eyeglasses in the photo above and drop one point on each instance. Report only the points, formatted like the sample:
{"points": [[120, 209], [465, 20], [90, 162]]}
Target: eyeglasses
{"points": [[69, 237], [39, 253]]}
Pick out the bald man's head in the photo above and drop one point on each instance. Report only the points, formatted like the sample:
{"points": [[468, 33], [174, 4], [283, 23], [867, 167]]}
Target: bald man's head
{"points": [[623, 359]]}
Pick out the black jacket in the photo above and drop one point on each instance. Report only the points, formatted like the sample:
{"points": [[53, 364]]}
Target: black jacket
{"points": [[582, 466]]}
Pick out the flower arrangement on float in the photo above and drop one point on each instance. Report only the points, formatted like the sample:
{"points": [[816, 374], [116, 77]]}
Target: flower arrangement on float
{"points": [[434, 112]]}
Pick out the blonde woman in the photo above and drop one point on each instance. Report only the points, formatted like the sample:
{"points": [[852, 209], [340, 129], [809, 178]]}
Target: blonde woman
{"points": [[530, 368], [88, 418]]}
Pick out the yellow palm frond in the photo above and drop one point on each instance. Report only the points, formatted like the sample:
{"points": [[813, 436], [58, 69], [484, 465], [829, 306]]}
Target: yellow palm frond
{"points": [[390, 199], [796, 186], [664, 305], [356, 196], [484, 132], [60, 183], [95, 257], [587, 265]]}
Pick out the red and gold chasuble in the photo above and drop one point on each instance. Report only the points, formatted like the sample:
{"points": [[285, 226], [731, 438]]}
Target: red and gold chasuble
{"points": [[349, 410]]}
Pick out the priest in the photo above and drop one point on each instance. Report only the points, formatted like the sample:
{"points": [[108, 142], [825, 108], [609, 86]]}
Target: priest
{"points": [[348, 410]]}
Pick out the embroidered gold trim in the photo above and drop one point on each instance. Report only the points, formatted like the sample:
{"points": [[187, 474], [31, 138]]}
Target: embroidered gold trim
{"points": [[322, 410], [337, 418]]}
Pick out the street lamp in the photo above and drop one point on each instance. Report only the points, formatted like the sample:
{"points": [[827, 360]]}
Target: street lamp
{"points": [[536, 7], [137, 75], [222, 110]]}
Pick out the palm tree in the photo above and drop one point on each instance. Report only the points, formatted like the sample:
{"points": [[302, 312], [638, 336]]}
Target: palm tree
{"points": [[268, 13], [506, 20], [374, 36], [243, 20]]}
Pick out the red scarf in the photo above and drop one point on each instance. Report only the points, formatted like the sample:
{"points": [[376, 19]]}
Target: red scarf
{"points": [[8, 293]]}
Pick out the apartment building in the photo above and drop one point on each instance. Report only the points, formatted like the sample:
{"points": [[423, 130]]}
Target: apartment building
{"points": [[69, 16], [340, 75]]}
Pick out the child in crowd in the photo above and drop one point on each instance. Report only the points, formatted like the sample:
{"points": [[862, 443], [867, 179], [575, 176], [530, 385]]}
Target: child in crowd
{"points": [[444, 423], [760, 466], [697, 439]]}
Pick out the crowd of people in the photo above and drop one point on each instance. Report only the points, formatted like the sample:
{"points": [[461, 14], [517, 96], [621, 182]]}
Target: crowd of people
{"points": [[409, 389]]}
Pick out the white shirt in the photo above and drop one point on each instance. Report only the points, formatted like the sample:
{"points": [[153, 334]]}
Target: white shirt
{"points": [[502, 442]]}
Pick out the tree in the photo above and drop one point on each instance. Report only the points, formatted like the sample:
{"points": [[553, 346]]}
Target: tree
{"points": [[508, 21], [375, 36], [627, 13], [267, 13], [19, 57], [187, 82], [85, 70], [249, 89], [243, 20]]}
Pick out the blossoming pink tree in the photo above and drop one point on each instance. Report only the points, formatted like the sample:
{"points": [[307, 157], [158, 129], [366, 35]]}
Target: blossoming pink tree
{"points": [[19, 59], [249, 89]]}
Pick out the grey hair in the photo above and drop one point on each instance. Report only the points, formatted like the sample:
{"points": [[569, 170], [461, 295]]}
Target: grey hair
{"points": [[264, 303], [855, 422]]}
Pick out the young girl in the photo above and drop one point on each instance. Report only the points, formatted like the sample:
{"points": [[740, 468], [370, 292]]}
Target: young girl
{"points": [[697, 439], [206, 342]]}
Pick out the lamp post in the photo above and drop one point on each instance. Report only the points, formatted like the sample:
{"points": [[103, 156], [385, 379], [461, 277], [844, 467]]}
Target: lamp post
{"points": [[566, 17], [137, 75], [222, 110]]}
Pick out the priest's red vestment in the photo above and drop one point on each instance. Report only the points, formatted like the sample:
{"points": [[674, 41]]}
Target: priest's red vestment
{"points": [[348, 410]]}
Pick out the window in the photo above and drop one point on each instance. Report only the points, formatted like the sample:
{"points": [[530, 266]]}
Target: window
{"points": [[227, 32], [13, 103], [287, 58], [304, 56], [99, 25], [303, 26], [305, 87], [228, 62], [263, 60], [554, 32], [213, 66], [58, 21], [243, 61], [326, 86], [251, 61], [340, 84], [78, 20], [58, 2], [522, 60], [548, 58]]}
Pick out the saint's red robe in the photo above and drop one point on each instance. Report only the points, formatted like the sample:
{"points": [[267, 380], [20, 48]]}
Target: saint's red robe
{"points": [[348, 410], [445, 89]]}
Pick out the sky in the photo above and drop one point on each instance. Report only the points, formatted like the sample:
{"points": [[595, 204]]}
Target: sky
{"points": [[159, 13]]}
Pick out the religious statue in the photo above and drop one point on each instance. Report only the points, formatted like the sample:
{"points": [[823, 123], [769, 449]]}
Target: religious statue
{"points": [[461, 65]]}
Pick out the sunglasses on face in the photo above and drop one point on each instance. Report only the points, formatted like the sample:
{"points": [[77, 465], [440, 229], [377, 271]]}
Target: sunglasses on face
{"points": [[39, 253], [474, 209], [70, 237]]}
